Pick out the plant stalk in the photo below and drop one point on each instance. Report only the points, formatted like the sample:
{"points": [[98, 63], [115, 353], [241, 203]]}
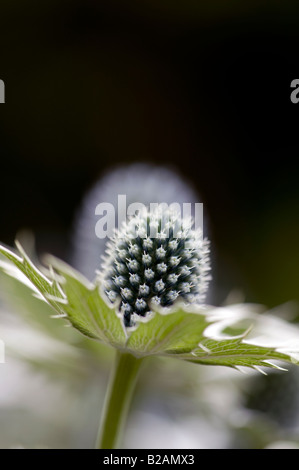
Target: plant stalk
{"points": [[117, 400]]}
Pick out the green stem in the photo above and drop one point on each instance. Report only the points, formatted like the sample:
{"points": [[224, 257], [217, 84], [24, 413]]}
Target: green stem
{"points": [[117, 401]]}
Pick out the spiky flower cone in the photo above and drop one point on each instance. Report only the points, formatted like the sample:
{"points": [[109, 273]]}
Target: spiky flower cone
{"points": [[155, 258]]}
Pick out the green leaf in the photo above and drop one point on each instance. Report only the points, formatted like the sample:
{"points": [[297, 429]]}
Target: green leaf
{"points": [[233, 336], [176, 332], [71, 296], [202, 337], [47, 289], [86, 309]]}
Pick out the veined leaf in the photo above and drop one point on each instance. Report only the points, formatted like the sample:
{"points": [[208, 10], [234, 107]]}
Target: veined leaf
{"points": [[201, 337], [72, 297], [232, 336]]}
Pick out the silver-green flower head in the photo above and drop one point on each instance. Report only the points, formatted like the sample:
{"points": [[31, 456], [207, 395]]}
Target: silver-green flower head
{"points": [[155, 258]]}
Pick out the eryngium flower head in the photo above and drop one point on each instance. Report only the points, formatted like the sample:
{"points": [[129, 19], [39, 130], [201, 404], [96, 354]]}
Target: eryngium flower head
{"points": [[155, 258]]}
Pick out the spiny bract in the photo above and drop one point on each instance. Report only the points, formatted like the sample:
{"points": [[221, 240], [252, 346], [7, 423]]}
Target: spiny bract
{"points": [[155, 258]]}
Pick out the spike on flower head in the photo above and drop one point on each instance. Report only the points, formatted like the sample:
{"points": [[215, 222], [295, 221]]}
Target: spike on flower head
{"points": [[156, 257]]}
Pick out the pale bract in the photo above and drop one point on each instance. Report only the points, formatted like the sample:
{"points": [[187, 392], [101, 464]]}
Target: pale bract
{"points": [[234, 336]]}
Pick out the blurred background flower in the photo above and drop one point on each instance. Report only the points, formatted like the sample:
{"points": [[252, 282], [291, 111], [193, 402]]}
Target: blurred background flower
{"points": [[97, 87]]}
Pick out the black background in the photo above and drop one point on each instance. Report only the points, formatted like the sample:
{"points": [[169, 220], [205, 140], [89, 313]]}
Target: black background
{"points": [[207, 88]]}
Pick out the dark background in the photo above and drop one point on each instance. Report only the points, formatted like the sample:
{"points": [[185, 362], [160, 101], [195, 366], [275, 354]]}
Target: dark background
{"points": [[205, 87]]}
